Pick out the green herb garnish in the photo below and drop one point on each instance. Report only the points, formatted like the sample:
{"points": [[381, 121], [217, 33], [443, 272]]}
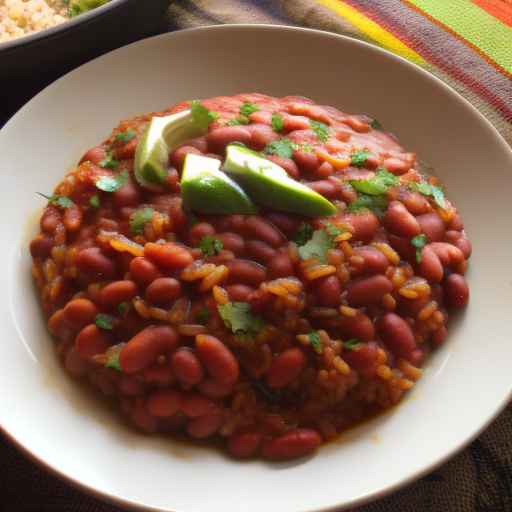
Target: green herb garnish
{"points": [[113, 361], [314, 340], [277, 122], [379, 184], [123, 308], [56, 200], [321, 130], [303, 234], [375, 124], [104, 321], [210, 246], [282, 148], [430, 190], [201, 115], [352, 344], [333, 231], [126, 136], [94, 201], [109, 162], [240, 120], [237, 316], [359, 158], [248, 108], [112, 183], [419, 241], [307, 148], [202, 316], [376, 204], [139, 218]]}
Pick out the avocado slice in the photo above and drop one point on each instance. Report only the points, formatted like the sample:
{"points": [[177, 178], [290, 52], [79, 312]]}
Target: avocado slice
{"points": [[162, 136], [206, 189], [269, 185]]}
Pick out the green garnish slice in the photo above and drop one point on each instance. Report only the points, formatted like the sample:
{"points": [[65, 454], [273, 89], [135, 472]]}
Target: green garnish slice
{"points": [[113, 361], [303, 234], [240, 120], [202, 316], [238, 317], [206, 189], [109, 162], [317, 247], [76, 7], [314, 340], [359, 158], [104, 321], [430, 190], [375, 124], [364, 202], [126, 136], [269, 185], [56, 200], [210, 246], [282, 148], [352, 344], [162, 136], [379, 184], [248, 108], [322, 131], [139, 218], [419, 241], [94, 201], [123, 308], [277, 122], [112, 183]]}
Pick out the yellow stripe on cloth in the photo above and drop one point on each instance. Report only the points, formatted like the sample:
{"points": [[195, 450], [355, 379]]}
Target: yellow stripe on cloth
{"points": [[372, 29]]}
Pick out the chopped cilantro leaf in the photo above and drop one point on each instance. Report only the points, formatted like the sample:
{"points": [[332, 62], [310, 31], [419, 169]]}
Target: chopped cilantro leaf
{"points": [[202, 316], [201, 115], [375, 124], [112, 183], [430, 190], [359, 158], [139, 218], [419, 241], [314, 340], [277, 122], [113, 361], [123, 308], [303, 234], [240, 120], [60, 201], [104, 321], [352, 344], [126, 136], [237, 316], [109, 162], [210, 246], [317, 246], [282, 147], [438, 195], [377, 185], [307, 148], [376, 204], [248, 108], [333, 231], [321, 130], [94, 201]]}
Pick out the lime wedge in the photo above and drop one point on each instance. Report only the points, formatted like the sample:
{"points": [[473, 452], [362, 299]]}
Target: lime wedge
{"points": [[206, 189], [269, 185]]}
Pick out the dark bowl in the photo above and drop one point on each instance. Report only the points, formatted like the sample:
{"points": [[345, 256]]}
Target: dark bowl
{"points": [[29, 63]]}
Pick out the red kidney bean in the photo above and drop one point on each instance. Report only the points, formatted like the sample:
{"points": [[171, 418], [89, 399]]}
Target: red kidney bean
{"points": [[374, 261], [41, 247], [130, 386], [127, 195], [159, 374], [259, 250], [456, 223], [217, 358], [456, 291], [142, 419], [169, 256], [328, 291], [280, 266], [163, 291], [214, 389], [119, 291], [432, 225], [397, 335], [91, 341], [80, 312], [262, 230], [368, 291], [200, 143], [177, 157], [72, 218], [219, 138], [239, 292], [430, 266], [95, 264], [293, 444], [365, 225], [229, 223], [246, 272], [363, 359], [195, 405], [186, 367], [287, 164], [359, 326], [403, 247], [447, 253], [94, 155], [396, 165], [416, 203], [125, 151], [143, 349], [400, 222], [58, 326], [261, 117], [143, 271], [307, 162], [244, 445], [324, 170], [285, 368], [50, 219], [325, 188], [417, 357], [74, 364], [261, 135], [459, 240], [439, 336], [164, 403], [232, 242], [292, 123], [205, 426], [286, 223]]}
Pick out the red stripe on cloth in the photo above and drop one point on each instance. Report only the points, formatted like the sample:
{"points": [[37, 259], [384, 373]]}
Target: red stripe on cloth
{"points": [[418, 45], [500, 9]]}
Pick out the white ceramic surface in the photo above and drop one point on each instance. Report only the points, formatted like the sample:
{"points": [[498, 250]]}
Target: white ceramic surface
{"points": [[465, 384]]}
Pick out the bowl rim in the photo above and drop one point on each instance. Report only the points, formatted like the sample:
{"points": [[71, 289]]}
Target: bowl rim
{"points": [[379, 492], [56, 30]]}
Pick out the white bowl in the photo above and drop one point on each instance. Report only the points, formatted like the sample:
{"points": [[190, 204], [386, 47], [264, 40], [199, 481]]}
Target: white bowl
{"points": [[466, 383]]}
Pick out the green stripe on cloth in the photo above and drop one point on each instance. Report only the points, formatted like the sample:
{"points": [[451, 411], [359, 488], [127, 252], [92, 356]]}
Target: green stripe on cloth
{"points": [[472, 23]]}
